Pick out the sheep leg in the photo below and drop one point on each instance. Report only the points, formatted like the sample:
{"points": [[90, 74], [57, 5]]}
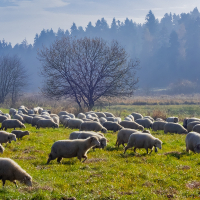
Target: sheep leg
{"points": [[123, 144], [135, 149], [4, 181], [151, 150], [187, 149], [147, 150], [59, 159], [126, 149], [15, 184], [84, 156]]}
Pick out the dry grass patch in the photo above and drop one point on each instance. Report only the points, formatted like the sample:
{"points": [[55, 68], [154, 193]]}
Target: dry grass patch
{"points": [[193, 185]]}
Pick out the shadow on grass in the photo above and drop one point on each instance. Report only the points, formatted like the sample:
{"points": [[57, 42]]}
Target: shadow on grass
{"points": [[176, 154]]}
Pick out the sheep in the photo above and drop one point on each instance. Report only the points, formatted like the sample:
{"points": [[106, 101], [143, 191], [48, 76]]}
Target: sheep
{"points": [[110, 119], [92, 126], [10, 170], [196, 128], [159, 119], [93, 114], [143, 140], [74, 123], [81, 116], [87, 120], [40, 110], [132, 125], [20, 134], [23, 110], [137, 115], [62, 113], [191, 125], [19, 117], [96, 119], [62, 117], [34, 120], [1, 112], [71, 115], [192, 141], [118, 119], [86, 134], [100, 114], [123, 136], [145, 122], [45, 113], [102, 120], [186, 121], [158, 125], [7, 137], [2, 118], [1, 149], [11, 123], [65, 122], [174, 128], [30, 111], [7, 115], [28, 119], [72, 148], [172, 119], [12, 111], [131, 116], [36, 110], [112, 126], [56, 119], [128, 119], [46, 123], [109, 114], [149, 117]]}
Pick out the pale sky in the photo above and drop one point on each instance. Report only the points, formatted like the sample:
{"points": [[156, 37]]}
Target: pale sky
{"points": [[20, 19]]}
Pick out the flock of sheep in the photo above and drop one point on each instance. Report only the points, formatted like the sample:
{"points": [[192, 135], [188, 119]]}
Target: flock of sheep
{"points": [[92, 127]]}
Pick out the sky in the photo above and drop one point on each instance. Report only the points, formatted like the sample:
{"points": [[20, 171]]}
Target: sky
{"points": [[22, 19]]}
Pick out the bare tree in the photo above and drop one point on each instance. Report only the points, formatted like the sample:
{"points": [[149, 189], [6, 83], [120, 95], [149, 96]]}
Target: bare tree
{"points": [[87, 69], [13, 77]]}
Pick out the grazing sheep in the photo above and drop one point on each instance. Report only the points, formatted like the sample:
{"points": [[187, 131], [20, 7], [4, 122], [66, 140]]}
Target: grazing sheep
{"points": [[118, 119], [2, 118], [74, 123], [56, 119], [20, 134], [109, 114], [92, 126], [96, 119], [86, 134], [112, 126], [35, 119], [81, 116], [132, 125], [191, 125], [12, 111], [186, 121], [93, 115], [143, 140], [100, 114], [7, 137], [110, 119], [65, 122], [137, 115], [128, 119], [149, 117], [196, 128], [45, 117], [158, 125], [71, 115], [11, 123], [102, 120], [192, 141], [174, 128], [44, 123], [19, 117], [10, 170], [1, 149], [23, 110], [62, 113], [36, 110], [172, 119], [72, 148], [27, 119], [145, 122]]}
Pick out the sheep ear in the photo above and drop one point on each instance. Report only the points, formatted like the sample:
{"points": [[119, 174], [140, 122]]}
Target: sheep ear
{"points": [[8, 137]]}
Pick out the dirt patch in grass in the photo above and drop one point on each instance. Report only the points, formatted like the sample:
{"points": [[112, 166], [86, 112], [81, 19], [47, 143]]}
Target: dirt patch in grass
{"points": [[173, 153], [193, 185], [148, 184], [93, 160], [184, 167], [65, 198], [35, 189], [24, 158], [169, 193]]}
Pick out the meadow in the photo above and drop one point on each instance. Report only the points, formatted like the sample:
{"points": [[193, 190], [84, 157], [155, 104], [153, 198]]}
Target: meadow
{"points": [[171, 173]]}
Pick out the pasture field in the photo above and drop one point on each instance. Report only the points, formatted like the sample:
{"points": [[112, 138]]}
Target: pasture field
{"points": [[171, 173]]}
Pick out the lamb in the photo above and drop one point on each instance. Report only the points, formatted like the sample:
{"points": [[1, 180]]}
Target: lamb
{"points": [[174, 128], [132, 125], [74, 123], [172, 119], [191, 125], [20, 134], [92, 126], [86, 134], [143, 140], [100, 114], [81, 116], [1, 149], [123, 136], [72, 148], [19, 117], [10, 170], [62, 117], [11, 123], [112, 126], [192, 141], [109, 114], [137, 115], [145, 122], [102, 120], [158, 125], [46, 123], [6, 137], [196, 128], [2, 118]]}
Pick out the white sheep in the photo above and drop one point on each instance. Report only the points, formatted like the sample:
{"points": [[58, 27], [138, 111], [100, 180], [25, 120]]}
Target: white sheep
{"points": [[102, 120], [137, 115], [81, 116], [172, 119], [11, 123], [143, 140], [19, 134], [174, 128], [191, 125], [44, 123], [192, 141], [128, 119], [145, 122], [2, 118], [108, 114], [74, 123], [100, 114], [10, 170], [132, 125], [72, 148], [92, 126], [112, 126], [7, 137], [158, 125]]}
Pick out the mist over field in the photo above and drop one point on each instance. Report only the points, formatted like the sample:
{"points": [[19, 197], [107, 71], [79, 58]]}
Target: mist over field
{"points": [[168, 49]]}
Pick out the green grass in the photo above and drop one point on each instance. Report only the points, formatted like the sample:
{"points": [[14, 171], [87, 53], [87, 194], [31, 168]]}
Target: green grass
{"points": [[107, 174]]}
